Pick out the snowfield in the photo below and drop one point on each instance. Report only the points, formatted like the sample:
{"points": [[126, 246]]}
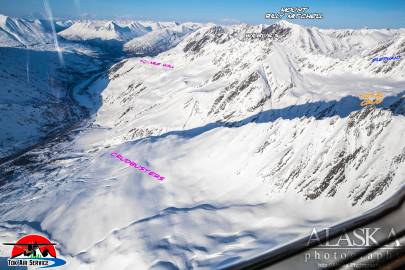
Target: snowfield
{"points": [[259, 140]]}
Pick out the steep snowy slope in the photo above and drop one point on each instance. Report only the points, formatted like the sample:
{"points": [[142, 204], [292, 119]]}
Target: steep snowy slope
{"points": [[259, 140]]}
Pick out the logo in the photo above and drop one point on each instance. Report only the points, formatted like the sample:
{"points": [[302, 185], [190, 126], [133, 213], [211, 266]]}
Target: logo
{"points": [[34, 250], [347, 245], [371, 98]]}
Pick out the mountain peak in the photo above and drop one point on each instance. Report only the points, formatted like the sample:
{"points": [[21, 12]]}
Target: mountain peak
{"points": [[3, 19], [287, 24], [112, 26]]}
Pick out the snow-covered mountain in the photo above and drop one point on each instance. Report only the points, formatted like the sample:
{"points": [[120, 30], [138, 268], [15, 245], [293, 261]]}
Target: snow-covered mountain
{"points": [[63, 24], [143, 37], [36, 77], [102, 31], [157, 41], [154, 26], [260, 140], [290, 85], [41, 92], [17, 32]]}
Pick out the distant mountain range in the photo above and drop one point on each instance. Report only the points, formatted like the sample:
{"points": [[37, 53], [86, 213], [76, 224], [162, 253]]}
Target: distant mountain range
{"points": [[137, 37]]}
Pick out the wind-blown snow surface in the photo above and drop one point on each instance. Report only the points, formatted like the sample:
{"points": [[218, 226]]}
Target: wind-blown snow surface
{"points": [[259, 141]]}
